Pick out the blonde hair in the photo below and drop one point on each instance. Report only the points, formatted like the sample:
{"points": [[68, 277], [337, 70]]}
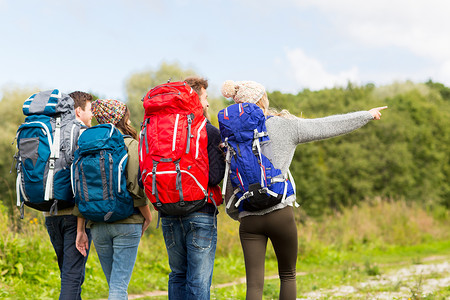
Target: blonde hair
{"points": [[263, 103]]}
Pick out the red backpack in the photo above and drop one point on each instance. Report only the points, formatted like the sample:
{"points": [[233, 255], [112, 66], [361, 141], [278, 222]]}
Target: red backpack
{"points": [[173, 153]]}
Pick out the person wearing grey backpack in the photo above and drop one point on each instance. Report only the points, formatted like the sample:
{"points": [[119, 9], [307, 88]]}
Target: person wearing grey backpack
{"points": [[62, 224], [46, 143]]}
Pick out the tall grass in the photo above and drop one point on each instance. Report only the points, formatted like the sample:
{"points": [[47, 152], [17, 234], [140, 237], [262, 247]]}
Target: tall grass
{"points": [[377, 224], [29, 270], [27, 262]]}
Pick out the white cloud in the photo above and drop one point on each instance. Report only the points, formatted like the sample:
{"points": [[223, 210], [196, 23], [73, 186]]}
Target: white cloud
{"points": [[310, 73], [443, 73], [419, 26]]}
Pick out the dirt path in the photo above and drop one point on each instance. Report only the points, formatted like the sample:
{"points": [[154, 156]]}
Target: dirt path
{"points": [[410, 282], [419, 280]]}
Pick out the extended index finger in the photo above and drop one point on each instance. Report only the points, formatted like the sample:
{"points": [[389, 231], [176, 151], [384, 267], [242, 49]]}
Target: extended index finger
{"points": [[381, 108]]}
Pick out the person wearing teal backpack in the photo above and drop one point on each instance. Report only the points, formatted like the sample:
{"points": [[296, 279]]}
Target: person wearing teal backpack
{"points": [[46, 142], [275, 222], [116, 241]]}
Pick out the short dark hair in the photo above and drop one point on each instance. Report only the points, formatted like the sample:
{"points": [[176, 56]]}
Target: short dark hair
{"points": [[80, 99], [197, 83]]}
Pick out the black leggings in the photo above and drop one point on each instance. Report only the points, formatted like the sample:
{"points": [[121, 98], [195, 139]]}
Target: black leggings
{"points": [[279, 226]]}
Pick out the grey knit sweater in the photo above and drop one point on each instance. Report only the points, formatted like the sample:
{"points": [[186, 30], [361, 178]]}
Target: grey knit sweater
{"points": [[286, 134]]}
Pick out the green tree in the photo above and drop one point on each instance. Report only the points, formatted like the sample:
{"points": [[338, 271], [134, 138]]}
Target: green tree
{"points": [[12, 116], [138, 84], [403, 156]]}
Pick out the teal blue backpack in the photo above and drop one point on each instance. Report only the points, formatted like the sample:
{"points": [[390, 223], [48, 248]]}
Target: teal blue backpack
{"points": [[99, 175], [46, 142]]}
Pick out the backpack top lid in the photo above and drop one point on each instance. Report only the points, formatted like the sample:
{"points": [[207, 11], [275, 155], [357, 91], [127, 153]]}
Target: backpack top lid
{"points": [[100, 137], [240, 120], [48, 103], [171, 98]]}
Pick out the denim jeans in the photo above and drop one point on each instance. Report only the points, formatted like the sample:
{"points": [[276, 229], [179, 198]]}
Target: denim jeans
{"points": [[63, 232], [117, 246], [191, 245]]}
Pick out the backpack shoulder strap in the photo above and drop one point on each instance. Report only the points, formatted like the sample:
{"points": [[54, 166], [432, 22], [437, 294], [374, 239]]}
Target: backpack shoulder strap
{"points": [[128, 139], [54, 147]]}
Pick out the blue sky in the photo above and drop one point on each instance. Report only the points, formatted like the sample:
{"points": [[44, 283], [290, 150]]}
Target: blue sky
{"points": [[286, 45]]}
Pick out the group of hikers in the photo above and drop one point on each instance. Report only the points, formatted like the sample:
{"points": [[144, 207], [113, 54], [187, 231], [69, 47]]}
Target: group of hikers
{"points": [[95, 183]]}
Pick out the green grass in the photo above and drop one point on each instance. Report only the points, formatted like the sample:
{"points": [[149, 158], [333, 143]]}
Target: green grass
{"points": [[357, 245]]}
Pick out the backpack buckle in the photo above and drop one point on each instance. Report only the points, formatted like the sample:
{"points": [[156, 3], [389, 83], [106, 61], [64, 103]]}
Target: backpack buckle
{"points": [[51, 164]]}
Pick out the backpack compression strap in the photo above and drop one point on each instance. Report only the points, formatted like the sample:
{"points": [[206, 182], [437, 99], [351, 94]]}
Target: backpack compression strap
{"points": [[51, 166], [19, 191], [154, 189], [291, 179], [227, 166], [230, 201], [256, 147], [178, 181]]}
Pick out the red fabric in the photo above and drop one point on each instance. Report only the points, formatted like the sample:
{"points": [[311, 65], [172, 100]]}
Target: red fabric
{"points": [[216, 194], [162, 104]]}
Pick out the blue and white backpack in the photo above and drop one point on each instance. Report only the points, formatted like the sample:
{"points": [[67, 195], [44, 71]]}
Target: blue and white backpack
{"points": [[99, 175], [46, 142], [257, 184]]}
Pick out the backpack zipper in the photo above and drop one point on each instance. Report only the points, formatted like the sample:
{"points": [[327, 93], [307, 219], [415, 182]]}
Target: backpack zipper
{"points": [[111, 176], [44, 130], [103, 175], [85, 188], [190, 117], [240, 179], [167, 86]]}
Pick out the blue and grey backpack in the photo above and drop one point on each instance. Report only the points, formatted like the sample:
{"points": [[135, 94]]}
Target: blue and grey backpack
{"points": [[46, 142], [99, 175], [257, 184]]}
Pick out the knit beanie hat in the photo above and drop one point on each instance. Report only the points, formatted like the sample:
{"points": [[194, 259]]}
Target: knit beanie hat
{"points": [[243, 91], [108, 111]]}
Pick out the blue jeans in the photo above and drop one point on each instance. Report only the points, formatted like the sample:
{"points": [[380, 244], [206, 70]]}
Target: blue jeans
{"points": [[191, 245], [117, 246], [63, 232]]}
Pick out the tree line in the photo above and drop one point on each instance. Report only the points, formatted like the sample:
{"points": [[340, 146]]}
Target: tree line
{"points": [[405, 156]]}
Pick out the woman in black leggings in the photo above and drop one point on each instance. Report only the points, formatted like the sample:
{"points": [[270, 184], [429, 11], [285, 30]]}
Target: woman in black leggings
{"points": [[277, 223], [278, 226]]}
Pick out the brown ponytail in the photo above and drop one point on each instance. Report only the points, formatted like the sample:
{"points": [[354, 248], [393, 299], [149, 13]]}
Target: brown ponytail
{"points": [[124, 125]]}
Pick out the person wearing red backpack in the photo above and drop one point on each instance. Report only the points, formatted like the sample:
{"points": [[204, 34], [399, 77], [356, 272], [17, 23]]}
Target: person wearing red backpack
{"points": [[191, 239], [277, 222]]}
